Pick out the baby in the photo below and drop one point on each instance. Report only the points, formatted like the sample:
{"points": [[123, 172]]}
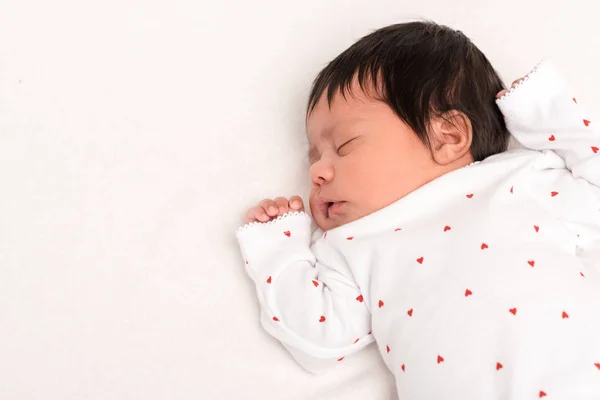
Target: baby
{"points": [[474, 269]]}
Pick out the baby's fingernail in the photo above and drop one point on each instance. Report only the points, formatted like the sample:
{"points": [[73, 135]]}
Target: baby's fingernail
{"points": [[272, 210], [295, 203]]}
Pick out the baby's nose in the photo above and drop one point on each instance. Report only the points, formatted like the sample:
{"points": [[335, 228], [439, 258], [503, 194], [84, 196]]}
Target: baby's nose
{"points": [[321, 172]]}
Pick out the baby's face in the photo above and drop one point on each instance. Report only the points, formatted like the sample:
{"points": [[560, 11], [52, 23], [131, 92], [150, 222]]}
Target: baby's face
{"points": [[363, 158]]}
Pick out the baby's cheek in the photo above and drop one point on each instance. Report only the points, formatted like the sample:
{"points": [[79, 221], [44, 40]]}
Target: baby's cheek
{"points": [[311, 204], [381, 189], [314, 210], [318, 216], [321, 221]]}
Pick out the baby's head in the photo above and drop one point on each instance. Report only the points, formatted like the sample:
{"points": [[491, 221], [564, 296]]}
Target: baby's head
{"points": [[402, 106]]}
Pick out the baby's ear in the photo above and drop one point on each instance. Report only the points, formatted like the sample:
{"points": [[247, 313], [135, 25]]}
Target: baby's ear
{"points": [[450, 136]]}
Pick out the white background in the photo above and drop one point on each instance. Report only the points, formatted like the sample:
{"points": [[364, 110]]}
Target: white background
{"points": [[133, 136]]}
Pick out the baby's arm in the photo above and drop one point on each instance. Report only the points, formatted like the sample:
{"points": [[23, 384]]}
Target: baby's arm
{"points": [[542, 114], [314, 307]]}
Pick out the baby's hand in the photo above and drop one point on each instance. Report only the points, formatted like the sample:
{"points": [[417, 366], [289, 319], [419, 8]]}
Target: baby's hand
{"points": [[269, 209], [503, 92]]}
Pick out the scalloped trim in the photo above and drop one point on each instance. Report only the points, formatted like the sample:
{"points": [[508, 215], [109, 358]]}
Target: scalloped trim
{"points": [[473, 163], [524, 80], [273, 221]]}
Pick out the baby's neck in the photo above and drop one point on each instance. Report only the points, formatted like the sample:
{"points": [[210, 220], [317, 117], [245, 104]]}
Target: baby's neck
{"points": [[441, 170]]}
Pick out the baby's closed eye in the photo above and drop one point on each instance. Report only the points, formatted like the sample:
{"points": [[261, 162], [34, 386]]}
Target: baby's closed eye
{"points": [[347, 146]]}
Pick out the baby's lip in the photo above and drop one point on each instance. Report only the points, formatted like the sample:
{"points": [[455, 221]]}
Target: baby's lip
{"points": [[326, 200], [325, 203], [322, 204], [335, 205]]}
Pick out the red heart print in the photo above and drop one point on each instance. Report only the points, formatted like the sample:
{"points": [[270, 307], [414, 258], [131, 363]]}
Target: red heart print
{"points": [[552, 138], [595, 149], [499, 366], [440, 359], [420, 260], [513, 311], [387, 348], [553, 194], [542, 394], [575, 100], [470, 196], [597, 365], [360, 298], [380, 304], [350, 238], [315, 283], [468, 293], [531, 262], [447, 228], [565, 315], [409, 312], [322, 319], [325, 237], [403, 369], [369, 333], [269, 280], [511, 189], [397, 229], [537, 228], [581, 273], [340, 359], [246, 262], [275, 319], [484, 246], [287, 233], [586, 122], [356, 340]]}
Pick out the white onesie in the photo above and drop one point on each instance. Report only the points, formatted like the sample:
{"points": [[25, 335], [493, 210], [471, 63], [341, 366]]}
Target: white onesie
{"points": [[482, 284]]}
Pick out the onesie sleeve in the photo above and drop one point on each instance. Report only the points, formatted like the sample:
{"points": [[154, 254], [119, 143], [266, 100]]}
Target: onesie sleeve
{"points": [[314, 308], [542, 114]]}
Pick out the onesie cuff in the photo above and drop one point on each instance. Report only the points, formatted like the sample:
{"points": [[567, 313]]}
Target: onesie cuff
{"points": [[544, 82], [258, 240]]}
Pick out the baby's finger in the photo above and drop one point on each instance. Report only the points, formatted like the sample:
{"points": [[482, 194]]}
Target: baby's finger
{"points": [[282, 205], [256, 214], [515, 83], [296, 203], [261, 215], [269, 206]]}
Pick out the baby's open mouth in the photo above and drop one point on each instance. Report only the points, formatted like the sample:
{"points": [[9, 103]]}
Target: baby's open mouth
{"points": [[328, 207], [334, 207]]}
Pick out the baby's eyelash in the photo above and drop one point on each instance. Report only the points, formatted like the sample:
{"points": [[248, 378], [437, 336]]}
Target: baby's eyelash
{"points": [[345, 143]]}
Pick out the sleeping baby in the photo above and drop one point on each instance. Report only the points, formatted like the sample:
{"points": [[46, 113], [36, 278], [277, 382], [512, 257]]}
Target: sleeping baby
{"points": [[474, 270]]}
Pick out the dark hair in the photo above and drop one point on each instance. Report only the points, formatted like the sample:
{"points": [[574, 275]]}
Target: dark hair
{"points": [[422, 69]]}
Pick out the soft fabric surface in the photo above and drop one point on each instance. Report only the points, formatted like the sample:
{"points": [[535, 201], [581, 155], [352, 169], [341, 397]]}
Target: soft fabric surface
{"points": [[133, 135]]}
